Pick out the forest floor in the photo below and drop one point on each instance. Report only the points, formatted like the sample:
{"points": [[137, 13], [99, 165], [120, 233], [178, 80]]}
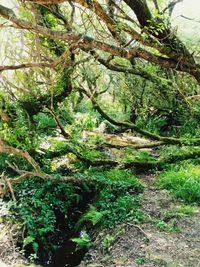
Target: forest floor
{"points": [[153, 243], [164, 239], [10, 255]]}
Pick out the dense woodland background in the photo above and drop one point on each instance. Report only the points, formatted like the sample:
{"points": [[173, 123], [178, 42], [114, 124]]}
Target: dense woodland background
{"points": [[94, 93]]}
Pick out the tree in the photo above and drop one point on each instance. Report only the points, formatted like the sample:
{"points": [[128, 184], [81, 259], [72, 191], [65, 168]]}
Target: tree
{"points": [[150, 31], [84, 62], [119, 35]]}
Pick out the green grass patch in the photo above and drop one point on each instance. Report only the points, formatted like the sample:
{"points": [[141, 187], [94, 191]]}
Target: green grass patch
{"points": [[185, 210], [184, 183], [162, 226], [177, 212]]}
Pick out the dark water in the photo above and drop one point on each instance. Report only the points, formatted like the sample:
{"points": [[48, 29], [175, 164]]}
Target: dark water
{"points": [[67, 253], [66, 256], [59, 250]]}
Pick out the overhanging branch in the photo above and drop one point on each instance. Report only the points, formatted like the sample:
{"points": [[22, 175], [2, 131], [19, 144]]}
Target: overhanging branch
{"points": [[129, 125], [161, 82], [88, 43], [5, 148]]}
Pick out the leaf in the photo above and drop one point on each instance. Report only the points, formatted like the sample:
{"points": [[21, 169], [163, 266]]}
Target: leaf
{"points": [[82, 242], [28, 240]]}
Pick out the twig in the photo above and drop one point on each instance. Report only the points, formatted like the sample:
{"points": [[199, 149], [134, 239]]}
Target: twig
{"points": [[139, 228], [63, 132], [8, 184]]}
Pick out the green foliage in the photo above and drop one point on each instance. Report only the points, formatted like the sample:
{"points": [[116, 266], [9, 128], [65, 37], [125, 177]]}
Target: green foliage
{"points": [[189, 129], [45, 124], [152, 124], [90, 75], [120, 209], [163, 226], [185, 210], [159, 107], [140, 260], [176, 212], [115, 180], [131, 155], [169, 152], [117, 200], [92, 215], [20, 162], [108, 241], [51, 22], [39, 205], [20, 134], [84, 120], [84, 241], [90, 154], [183, 183], [121, 61]]}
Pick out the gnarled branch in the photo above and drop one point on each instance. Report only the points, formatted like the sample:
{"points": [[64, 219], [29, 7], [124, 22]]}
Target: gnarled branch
{"points": [[88, 43]]}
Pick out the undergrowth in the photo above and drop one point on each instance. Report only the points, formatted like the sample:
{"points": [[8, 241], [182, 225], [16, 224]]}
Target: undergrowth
{"points": [[183, 182], [50, 210], [118, 200]]}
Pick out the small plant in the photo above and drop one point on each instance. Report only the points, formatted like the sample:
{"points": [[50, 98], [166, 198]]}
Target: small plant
{"points": [[131, 154], [140, 261], [152, 124], [92, 215], [162, 226], [107, 242], [84, 241]]}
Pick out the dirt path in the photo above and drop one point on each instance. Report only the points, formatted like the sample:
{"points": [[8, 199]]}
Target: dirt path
{"points": [[162, 241]]}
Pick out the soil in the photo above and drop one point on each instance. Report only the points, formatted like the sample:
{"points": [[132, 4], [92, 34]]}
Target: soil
{"points": [[10, 255], [151, 244]]}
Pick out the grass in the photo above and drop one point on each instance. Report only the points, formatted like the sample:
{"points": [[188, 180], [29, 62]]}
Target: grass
{"points": [[184, 183], [162, 226], [180, 211], [185, 210]]}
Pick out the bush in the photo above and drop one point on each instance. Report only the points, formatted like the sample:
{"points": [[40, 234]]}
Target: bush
{"points": [[152, 124]]}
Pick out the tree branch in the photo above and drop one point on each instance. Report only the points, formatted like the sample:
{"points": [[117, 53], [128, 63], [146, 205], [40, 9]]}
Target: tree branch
{"points": [[47, 2], [88, 43], [171, 6], [161, 82], [129, 125], [4, 148], [60, 126], [23, 175]]}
